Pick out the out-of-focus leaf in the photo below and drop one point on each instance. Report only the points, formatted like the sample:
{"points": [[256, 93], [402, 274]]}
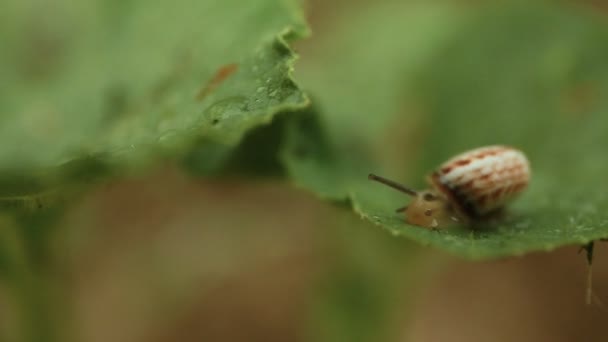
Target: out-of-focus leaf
{"points": [[95, 86], [404, 87]]}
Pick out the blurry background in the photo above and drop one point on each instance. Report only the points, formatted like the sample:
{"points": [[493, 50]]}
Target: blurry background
{"points": [[173, 257]]}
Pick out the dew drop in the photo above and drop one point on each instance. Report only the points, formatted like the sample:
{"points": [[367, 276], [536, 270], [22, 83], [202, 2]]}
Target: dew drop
{"points": [[225, 108]]}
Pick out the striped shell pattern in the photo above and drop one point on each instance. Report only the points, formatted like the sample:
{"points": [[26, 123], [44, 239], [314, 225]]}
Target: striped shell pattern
{"points": [[482, 180]]}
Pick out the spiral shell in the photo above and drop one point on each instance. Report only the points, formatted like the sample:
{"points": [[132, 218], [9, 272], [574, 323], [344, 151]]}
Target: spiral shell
{"points": [[480, 181]]}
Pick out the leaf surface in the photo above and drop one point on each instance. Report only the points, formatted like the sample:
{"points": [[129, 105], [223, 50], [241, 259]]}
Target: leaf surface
{"points": [[102, 85], [404, 87]]}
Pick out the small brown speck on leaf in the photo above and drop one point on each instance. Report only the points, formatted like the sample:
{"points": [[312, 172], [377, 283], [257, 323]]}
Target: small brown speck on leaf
{"points": [[579, 100], [220, 76]]}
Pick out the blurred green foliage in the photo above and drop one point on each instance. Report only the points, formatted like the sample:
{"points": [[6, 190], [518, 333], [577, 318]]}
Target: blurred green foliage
{"points": [[109, 84], [410, 85], [95, 88], [103, 88]]}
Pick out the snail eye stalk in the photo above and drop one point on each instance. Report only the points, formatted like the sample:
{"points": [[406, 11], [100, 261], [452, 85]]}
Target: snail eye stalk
{"points": [[392, 184]]}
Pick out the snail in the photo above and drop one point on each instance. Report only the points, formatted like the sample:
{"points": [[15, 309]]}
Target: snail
{"points": [[468, 187]]}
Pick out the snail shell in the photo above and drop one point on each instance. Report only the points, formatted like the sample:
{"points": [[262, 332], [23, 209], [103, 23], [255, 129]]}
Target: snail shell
{"points": [[482, 180]]}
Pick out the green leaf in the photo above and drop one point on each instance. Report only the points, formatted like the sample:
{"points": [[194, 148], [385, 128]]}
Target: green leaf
{"points": [[404, 87], [98, 86]]}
